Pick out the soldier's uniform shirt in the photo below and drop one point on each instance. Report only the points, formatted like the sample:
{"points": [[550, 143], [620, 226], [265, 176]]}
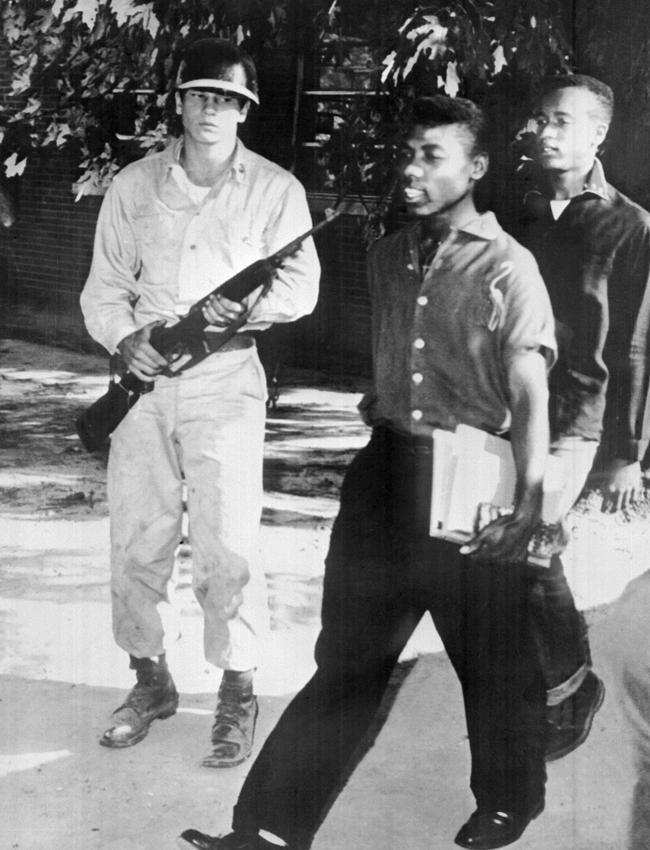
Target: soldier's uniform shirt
{"points": [[160, 246]]}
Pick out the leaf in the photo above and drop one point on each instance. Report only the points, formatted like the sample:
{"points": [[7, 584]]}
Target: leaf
{"points": [[143, 14], [389, 64], [500, 61], [433, 30], [452, 82], [435, 44], [123, 10], [88, 10], [13, 168], [63, 133], [33, 106], [410, 63], [407, 24], [22, 79]]}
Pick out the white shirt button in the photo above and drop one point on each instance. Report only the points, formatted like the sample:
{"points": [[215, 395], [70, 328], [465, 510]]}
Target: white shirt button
{"points": [[417, 377], [409, 266], [419, 342], [423, 300], [416, 415]]}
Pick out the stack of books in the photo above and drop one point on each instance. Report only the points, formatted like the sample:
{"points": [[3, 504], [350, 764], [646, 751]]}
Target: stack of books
{"points": [[474, 480]]}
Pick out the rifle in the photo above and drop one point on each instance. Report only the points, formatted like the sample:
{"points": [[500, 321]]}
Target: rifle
{"points": [[98, 422]]}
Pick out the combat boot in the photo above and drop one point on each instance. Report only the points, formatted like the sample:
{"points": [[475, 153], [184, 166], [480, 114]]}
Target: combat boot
{"points": [[153, 697], [234, 724]]}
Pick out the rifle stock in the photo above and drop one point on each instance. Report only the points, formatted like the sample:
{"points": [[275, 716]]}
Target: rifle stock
{"points": [[96, 423]]}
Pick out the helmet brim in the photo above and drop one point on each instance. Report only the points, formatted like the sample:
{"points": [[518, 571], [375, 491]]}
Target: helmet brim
{"points": [[221, 85]]}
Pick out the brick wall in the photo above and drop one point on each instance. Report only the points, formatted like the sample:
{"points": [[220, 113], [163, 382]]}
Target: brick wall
{"points": [[44, 257], [48, 255]]}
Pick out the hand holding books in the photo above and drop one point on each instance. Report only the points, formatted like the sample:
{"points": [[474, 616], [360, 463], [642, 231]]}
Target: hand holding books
{"points": [[549, 538], [473, 485]]}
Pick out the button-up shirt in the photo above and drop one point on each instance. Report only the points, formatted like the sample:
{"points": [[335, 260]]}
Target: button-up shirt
{"points": [[595, 261], [158, 250], [442, 340]]}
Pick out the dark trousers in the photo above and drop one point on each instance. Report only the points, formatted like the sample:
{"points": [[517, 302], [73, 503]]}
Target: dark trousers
{"points": [[560, 629], [383, 572]]}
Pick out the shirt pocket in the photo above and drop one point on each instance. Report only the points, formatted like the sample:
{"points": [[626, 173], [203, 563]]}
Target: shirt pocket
{"points": [[239, 229], [154, 228], [158, 237]]}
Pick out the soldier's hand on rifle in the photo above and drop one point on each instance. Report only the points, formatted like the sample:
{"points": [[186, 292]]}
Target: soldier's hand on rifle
{"points": [[221, 311], [140, 356]]}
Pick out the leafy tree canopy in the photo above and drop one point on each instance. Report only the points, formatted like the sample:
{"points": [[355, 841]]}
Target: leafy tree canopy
{"points": [[493, 51], [72, 61]]}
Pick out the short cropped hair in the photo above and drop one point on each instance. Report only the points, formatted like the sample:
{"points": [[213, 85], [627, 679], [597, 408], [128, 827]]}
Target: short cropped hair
{"points": [[440, 110], [602, 93]]}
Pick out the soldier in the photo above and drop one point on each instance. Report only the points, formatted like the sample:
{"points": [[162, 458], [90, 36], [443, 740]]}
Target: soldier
{"points": [[172, 227]]}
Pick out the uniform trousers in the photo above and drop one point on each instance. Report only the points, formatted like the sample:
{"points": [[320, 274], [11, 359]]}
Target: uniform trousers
{"points": [[204, 427], [383, 572]]}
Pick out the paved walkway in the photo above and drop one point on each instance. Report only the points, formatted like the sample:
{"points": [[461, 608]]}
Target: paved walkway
{"points": [[61, 675]]}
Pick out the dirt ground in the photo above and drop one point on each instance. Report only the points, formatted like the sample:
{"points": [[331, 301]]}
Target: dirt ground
{"points": [[61, 675]]}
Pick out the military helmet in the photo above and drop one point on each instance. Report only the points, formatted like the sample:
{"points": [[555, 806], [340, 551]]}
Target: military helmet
{"points": [[209, 64]]}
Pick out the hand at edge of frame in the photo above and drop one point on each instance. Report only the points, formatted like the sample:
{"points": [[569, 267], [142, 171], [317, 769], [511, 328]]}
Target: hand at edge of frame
{"points": [[621, 483]]}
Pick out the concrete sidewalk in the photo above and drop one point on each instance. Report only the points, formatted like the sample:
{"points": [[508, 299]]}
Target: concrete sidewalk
{"points": [[410, 792]]}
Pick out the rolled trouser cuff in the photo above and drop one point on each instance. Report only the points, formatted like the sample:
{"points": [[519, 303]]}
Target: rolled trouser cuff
{"points": [[556, 695]]}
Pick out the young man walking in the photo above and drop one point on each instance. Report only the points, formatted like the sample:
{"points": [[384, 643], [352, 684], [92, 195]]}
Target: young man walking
{"points": [[592, 245], [462, 333], [172, 227]]}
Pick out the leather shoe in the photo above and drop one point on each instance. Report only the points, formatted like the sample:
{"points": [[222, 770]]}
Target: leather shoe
{"points": [[569, 723], [490, 828], [192, 839]]}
